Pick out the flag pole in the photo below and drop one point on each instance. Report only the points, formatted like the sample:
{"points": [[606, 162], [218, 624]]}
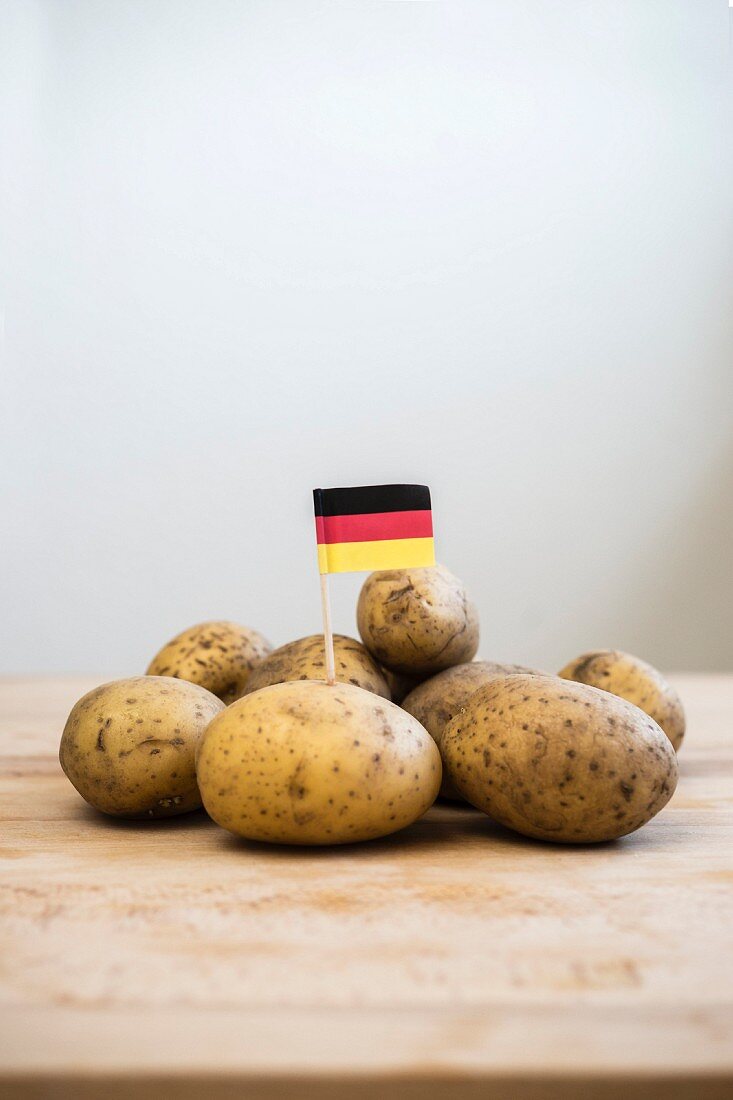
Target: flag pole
{"points": [[327, 630]]}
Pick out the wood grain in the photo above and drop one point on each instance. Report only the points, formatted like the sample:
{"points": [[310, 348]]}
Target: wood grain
{"points": [[453, 960]]}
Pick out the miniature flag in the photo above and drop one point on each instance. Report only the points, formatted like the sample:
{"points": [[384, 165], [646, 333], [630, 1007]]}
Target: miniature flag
{"points": [[373, 527]]}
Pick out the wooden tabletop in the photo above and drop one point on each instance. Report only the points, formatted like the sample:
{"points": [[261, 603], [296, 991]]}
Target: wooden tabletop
{"points": [[452, 960]]}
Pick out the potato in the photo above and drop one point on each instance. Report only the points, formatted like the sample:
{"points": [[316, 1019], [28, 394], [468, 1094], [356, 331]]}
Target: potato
{"points": [[417, 621], [129, 746], [438, 699], [558, 760], [218, 656], [634, 680], [305, 660], [307, 763]]}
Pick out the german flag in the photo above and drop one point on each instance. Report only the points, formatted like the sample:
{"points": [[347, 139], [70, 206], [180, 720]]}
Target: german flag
{"points": [[373, 527]]}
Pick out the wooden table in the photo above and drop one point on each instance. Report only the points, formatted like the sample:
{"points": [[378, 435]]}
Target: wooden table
{"points": [[455, 959]]}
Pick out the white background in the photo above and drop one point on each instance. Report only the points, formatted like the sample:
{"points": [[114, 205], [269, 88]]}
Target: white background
{"points": [[250, 248]]}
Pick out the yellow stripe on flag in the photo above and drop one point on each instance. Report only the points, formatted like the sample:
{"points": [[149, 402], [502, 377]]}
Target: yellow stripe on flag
{"points": [[363, 557]]}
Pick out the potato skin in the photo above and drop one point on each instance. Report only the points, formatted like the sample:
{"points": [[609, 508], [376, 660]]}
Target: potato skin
{"points": [[307, 763], [417, 621], [437, 700], [559, 761], [218, 656], [634, 680], [305, 659], [129, 746]]}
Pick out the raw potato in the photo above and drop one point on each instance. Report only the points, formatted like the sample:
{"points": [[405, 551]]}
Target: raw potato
{"points": [[218, 656], [632, 679], [417, 621], [438, 699], [305, 763], [129, 746], [306, 660], [559, 761]]}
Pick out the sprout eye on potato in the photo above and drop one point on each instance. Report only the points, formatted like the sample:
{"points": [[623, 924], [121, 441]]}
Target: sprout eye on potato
{"points": [[307, 763], [219, 656], [129, 746], [634, 680], [417, 621], [435, 702], [305, 659], [559, 761]]}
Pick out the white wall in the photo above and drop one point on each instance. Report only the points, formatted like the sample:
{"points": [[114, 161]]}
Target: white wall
{"points": [[250, 248]]}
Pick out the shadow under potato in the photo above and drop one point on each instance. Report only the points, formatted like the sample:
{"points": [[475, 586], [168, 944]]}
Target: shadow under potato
{"points": [[431, 832], [195, 819], [460, 821]]}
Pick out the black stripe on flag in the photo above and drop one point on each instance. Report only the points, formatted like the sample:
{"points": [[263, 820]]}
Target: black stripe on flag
{"points": [[364, 499]]}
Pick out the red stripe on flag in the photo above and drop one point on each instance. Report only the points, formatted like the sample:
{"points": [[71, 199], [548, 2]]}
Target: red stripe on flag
{"points": [[372, 526]]}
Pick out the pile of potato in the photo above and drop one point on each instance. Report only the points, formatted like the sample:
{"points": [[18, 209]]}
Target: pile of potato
{"points": [[276, 754]]}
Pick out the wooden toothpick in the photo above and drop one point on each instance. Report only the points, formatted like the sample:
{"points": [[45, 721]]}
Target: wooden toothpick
{"points": [[327, 630]]}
